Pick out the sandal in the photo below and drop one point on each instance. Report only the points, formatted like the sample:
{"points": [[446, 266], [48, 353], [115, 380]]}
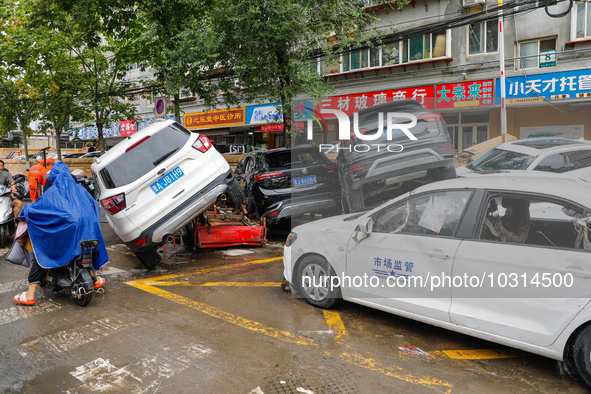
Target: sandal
{"points": [[22, 299], [99, 282]]}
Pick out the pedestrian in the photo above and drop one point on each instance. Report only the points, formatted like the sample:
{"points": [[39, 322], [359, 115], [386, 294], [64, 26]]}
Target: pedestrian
{"points": [[42, 178], [7, 179], [33, 176]]}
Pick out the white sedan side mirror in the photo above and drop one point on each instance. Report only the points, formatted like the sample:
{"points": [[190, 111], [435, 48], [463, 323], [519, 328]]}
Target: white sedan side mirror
{"points": [[366, 227]]}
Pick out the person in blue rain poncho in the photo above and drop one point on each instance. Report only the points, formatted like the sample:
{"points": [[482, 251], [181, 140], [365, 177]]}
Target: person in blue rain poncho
{"points": [[65, 215]]}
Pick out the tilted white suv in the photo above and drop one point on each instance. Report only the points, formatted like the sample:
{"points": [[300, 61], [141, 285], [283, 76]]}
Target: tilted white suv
{"points": [[154, 182]]}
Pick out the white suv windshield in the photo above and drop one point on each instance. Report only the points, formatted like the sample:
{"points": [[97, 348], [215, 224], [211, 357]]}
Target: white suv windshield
{"points": [[140, 160]]}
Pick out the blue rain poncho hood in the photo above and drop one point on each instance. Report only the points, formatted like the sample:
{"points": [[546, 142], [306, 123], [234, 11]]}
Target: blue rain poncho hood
{"points": [[65, 215]]}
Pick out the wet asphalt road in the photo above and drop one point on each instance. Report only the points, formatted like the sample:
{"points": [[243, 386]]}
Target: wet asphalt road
{"points": [[219, 322]]}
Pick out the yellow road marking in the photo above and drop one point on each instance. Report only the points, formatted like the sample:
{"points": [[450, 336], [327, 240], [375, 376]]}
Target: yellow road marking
{"points": [[157, 280], [222, 284], [348, 354], [333, 319], [477, 354], [228, 317]]}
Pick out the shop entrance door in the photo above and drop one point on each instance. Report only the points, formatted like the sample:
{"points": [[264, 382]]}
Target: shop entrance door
{"points": [[472, 135]]}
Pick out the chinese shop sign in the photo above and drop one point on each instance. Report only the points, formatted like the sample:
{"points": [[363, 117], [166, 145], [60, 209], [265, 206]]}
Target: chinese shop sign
{"points": [[224, 117], [464, 94], [272, 127], [356, 102], [553, 86]]}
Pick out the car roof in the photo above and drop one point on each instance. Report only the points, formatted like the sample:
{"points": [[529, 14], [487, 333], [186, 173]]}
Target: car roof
{"points": [[560, 185], [539, 146]]}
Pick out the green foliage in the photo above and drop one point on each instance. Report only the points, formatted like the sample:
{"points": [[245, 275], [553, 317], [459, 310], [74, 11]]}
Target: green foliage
{"points": [[66, 60], [100, 40], [271, 47]]}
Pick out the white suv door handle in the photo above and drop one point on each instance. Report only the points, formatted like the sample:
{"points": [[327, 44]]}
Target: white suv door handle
{"points": [[438, 254]]}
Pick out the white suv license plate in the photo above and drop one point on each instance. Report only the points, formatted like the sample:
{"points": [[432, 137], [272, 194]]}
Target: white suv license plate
{"points": [[167, 180], [305, 180]]}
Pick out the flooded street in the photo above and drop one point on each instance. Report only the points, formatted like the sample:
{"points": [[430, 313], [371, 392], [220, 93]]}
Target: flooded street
{"points": [[219, 322]]}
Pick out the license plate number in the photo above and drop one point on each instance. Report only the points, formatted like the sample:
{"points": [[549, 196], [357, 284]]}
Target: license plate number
{"points": [[305, 180], [167, 180]]}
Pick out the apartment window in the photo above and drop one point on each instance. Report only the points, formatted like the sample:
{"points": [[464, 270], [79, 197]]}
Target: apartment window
{"points": [[391, 54], [483, 37], [527, 51], [583, 19], [356, 59], [185, 93], [429, 46]]}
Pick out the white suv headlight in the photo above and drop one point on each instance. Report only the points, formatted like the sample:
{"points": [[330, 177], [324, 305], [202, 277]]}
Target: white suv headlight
{"points": [[291, 238]]}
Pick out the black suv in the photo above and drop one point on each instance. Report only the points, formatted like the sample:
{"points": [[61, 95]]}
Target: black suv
{"points": [[368, 168], [285, 182]]}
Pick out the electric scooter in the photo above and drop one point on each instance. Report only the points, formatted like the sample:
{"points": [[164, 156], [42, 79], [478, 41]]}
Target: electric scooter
{"points": [[78, 277]]}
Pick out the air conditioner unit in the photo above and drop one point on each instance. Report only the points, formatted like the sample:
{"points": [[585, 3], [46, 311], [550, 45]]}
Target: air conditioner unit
{"points": [[472, 3]]}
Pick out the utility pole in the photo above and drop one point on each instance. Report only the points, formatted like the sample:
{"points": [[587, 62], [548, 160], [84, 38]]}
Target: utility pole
{"points": [[502, 68]]}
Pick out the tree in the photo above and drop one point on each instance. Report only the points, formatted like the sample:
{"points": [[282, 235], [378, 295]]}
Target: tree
{"points": [[64, 80], [271, 47], [177, 47], [23, 78], [102, 38]]}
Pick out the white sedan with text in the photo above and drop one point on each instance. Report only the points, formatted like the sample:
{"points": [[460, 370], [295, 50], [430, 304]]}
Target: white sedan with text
{"points": [[502, 257]]}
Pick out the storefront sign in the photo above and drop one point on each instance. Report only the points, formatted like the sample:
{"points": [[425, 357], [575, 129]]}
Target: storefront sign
{"points": [[571, 131], [356, 102], [272, 127], [127, 128], [262, 114], [224, 117], [563, 85], [464, 94]]}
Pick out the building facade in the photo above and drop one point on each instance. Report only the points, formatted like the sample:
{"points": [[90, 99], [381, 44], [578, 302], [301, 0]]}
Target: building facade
{"points": [[444, 54]]}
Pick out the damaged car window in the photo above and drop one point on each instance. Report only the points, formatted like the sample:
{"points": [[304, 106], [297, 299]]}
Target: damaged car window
{"points": [[498, 159], [536, 222], [430, 214]]}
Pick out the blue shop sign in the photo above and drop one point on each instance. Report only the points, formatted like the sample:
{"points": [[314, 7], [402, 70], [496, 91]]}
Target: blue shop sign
{"points": [[553, 86], [263, 114]]}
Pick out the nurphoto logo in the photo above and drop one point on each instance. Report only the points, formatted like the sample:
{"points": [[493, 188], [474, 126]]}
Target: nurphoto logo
{"points": [[396, 123]]}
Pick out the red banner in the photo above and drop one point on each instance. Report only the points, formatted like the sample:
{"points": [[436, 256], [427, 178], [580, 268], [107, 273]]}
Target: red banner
{"points": [[356, 102], [224, 117], [464, 94]]}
